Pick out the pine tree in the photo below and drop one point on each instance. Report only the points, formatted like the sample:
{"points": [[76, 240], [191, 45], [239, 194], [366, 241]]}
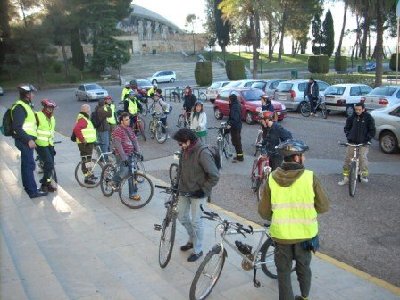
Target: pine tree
{"points": [[328, 34], [317, 36], [222, 27]]}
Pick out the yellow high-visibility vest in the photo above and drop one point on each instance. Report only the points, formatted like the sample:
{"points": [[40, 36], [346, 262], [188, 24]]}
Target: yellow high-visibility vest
{"points": [[45, 130], [30, 124], [89, 133], [111, 120]]}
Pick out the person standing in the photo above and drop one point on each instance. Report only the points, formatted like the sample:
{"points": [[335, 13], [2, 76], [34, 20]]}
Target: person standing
{"points": [[131, 105], [235, 126], [103, 129], [112, 120], [198, 121], [189, 100], [125, 91], [198, 174], [312, 93], [45, 142], [85, 138], [359, 129], [292, 200], [24, 128], [162, 108]]}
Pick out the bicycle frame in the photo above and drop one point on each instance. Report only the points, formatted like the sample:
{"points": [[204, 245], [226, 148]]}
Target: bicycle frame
{"points": [[100, 157]]}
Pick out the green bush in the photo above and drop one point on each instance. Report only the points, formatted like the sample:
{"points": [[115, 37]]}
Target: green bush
{"points": [[392, 62], [57, 67], [345, 78], [203, 73], [73, 78], [340, 63], [235, 69], [318, 64]]}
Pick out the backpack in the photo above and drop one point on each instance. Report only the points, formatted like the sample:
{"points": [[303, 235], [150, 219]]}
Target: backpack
{"points": [[94, 118], [214, 153], [6, 127]]}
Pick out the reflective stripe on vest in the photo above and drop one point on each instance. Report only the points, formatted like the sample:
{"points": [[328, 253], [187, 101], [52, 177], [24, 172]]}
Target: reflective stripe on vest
{"points": [[132, 108], [89, 133], [124, 93], [111, 120], [150, 91], [30, 124], [293, 212], [45, 130]]}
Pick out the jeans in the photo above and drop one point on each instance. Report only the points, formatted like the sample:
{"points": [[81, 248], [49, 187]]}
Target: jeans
{"points": [[124, 171], [46, 155], [284, 256], [103, 139], [27, 167], [189, 214], [363, 160]]}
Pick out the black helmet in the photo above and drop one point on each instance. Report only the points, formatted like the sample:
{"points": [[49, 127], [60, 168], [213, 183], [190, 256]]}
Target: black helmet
{"points": [[292, 147]]}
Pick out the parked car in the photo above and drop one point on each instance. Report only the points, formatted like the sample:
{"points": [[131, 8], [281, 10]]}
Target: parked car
{"points": [[382, 96], [241, 83], [370, 66], [90, 91], [144, 84], [342, 97], [212, 91], [387, 123], [1, 91], [291, 92], [162, 76], [250, 101], [268, 86]]}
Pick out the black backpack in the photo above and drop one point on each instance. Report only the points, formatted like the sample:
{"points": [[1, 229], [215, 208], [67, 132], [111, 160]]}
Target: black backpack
{"points": [[94, 118], [6, 127], [215, 154]]}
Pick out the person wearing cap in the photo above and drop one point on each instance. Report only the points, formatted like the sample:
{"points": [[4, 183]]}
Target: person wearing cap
{"points": [[292, 200], [273, 134], [24, 128], [46, 123], [198, 121], [235, 126]]}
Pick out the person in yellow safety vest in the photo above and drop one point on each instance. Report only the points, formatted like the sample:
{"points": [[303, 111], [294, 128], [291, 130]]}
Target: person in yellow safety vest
{"points": [[152, 90], [112, 121], [45, 142], [291, 200], [24, 128], [131, 105], [85, 138], [125, 91]]}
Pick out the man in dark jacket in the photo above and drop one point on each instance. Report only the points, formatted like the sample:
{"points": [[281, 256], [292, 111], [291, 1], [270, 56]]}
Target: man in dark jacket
{"points": [[103, 130], [359, 129], [235, 126], [189, 100], [273, 134], [198, 174], [312, 93], [292, 200]]}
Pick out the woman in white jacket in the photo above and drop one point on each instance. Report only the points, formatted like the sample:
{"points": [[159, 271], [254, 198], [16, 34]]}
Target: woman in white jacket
{"points": [[198, 121]]}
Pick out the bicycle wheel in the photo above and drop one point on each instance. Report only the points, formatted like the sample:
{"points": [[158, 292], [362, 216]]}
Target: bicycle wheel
{"points": [[93, 177], [324, 111], [161, 136], [207, 274], [181, 121], [136, 190], [202, 97], [167, 238], [141, 126], [173, 174], [107, 175], [352, 179], [145, 108], [268, 259], [305, 109], [261, 186], [227, 147]]}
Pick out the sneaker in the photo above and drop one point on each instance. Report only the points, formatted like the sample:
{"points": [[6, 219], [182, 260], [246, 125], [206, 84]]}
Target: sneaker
{"points": [[135, 197], [38, 193], [193, 257], [344, 181], [186, 247], [90, 181], [364, 179], [300, 298]]}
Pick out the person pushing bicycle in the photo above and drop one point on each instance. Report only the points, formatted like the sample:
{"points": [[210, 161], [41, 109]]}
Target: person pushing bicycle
{"points": [[161, 107], [189, 100], [359, 129]]}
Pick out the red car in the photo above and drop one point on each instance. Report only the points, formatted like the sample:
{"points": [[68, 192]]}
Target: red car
{"points": [[250, 101]]}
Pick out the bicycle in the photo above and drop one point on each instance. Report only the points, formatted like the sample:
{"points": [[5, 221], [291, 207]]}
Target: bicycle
{"points": [[305, 108], [224, 145], [355, 172], [157, 129], [177, 94], [94, 168], [210, 269], [134, 183], [40, 165], [139, 126], [260, 171], [183, 120], [174, 170]]}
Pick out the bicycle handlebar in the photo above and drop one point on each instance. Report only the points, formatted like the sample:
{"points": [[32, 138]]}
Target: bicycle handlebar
{"points": [[353, 145], [170, 190]]}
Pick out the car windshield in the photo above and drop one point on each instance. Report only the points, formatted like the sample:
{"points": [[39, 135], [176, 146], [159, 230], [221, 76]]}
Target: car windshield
{"points": [[257, 84], [93, 87], [215, 85], [335, 90], [284, 87], [143, 82], [383, 91], [233, 84], [252, 95]]}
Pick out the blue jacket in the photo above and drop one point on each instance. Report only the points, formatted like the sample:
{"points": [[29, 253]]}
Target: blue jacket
{"points": [[273, 136]]}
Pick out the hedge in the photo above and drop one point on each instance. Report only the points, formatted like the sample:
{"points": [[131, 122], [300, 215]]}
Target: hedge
{"points": [[340, 63], [203, 73], [235, 69], [318, 64]]}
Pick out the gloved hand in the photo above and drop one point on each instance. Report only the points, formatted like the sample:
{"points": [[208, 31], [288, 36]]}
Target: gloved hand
{"points": [[198, 194]]}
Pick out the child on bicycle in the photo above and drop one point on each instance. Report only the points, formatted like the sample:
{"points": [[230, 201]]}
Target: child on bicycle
{"points": [[161, 107], [198, 121]]}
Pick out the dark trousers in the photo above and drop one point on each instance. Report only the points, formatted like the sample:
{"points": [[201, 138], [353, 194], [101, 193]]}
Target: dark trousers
{"points": [[237, 141], [46, 155], [86, 151], [284, 256], [27, 167], [313, 103]]}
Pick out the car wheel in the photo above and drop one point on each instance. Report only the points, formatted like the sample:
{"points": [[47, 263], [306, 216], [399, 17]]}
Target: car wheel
{"points": [[349, 110], [249, 118], [154, 81], [217, 113], [388, 142], [77, 98], [172, 80]]}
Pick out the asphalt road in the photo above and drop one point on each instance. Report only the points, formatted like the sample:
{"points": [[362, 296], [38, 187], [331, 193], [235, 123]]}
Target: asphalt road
{"points": [[361, 231]]}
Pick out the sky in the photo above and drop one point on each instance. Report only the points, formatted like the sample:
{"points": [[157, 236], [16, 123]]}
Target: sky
{"points": [[177, 10]]}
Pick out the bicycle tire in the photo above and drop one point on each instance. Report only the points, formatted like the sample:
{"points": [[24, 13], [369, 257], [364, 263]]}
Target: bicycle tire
{"points": [[181, 121], [352, 179], [145, 109], [305, 109], [261, 186], [202, 273], [227, 147], [202, 97], [144, 186], [258, 141], [268, 258], [161, 136], [167, 238], [142, 126], [174, 174], [220, 146], [107, 175], [324, 111], [80, 178]]}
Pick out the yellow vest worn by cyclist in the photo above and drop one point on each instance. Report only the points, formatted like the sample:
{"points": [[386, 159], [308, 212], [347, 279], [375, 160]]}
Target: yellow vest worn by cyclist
{"points": [[125, 93], [45, 130], [111, 120], [131, 106], [30, 124], [88, 133]]}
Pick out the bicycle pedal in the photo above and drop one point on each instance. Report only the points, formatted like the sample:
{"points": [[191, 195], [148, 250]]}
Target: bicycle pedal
{"points": [[257, 283], [157, 227]]}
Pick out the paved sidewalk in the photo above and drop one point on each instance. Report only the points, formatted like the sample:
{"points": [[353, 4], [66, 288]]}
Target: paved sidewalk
{"points": [[78, 244]]}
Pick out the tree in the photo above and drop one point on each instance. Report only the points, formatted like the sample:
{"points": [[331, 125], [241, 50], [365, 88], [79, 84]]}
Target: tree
{"points": [[191, 21], [222, 27], [328, 34], [317, 41], [209, 25], [339, 46]]}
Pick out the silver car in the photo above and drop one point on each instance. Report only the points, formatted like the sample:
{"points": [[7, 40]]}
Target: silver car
{"points": [[90, 91], [342, 97], [268, 86], [382, 96], [387, 123], [1, 91], [213, 90], [291, 92], [162, 76]]}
